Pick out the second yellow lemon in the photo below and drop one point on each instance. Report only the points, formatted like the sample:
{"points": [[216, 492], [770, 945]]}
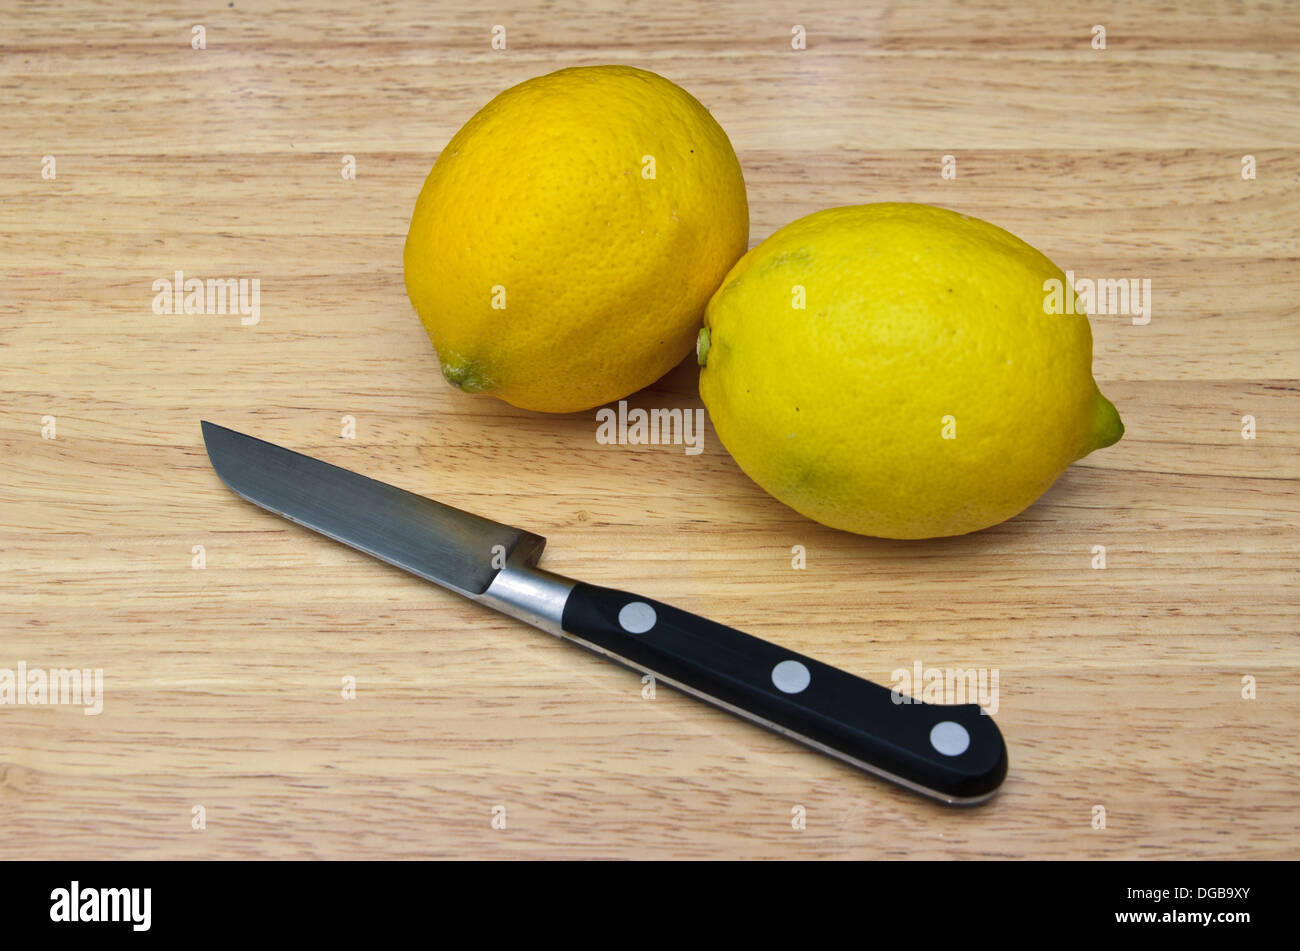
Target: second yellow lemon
{"points": [[569, 236], [901, 370]]}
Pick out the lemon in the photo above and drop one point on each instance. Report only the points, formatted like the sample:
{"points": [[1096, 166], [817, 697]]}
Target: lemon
{"points": [[566, 242], [896, 370]]}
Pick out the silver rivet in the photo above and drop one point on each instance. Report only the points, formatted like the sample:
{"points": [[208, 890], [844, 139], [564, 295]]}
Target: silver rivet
{"points": [[950, 739], [790, 676], [637, 617]]}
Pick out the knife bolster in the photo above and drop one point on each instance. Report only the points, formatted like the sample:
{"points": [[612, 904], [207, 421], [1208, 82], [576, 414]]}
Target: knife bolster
{"points": [[530, 594]]}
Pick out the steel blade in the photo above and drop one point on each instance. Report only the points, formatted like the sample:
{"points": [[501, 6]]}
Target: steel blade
{"points": [[438, 542]]}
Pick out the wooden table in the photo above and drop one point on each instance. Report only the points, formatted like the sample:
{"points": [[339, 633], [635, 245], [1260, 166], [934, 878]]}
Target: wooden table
{"points": [[1120, 688]]}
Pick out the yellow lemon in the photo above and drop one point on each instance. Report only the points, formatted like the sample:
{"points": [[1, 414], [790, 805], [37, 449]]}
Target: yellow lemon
{"points": [[568, 238], [901, 370]]}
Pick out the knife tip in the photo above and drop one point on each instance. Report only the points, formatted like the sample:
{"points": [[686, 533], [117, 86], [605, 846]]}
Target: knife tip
{"points": [[212, 434], [211, 429]]}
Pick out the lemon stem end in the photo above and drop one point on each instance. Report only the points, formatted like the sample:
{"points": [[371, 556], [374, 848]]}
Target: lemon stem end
{"points": [[702, 346], [467, 376], [1107, 427]]}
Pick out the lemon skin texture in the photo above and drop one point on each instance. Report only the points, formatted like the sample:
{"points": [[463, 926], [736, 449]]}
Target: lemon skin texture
{"points": [[923, 390], [566, 242]]}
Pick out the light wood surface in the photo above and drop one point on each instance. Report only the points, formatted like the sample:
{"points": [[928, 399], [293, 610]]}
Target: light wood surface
{"points": [[1119, 688]]}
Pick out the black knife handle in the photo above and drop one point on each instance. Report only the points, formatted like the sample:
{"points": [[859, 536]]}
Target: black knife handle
{"points": [[915, 744]]}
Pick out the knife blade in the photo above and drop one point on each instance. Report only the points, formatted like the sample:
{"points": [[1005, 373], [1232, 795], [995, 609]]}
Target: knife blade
{"points": [[954, 754]]}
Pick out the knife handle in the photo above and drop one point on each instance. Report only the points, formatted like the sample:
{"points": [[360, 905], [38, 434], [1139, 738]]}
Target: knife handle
{"points": [[951, 753]]}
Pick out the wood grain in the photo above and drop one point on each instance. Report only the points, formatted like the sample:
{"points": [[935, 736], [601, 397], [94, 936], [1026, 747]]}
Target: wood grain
{"points": [[1119, 687]]}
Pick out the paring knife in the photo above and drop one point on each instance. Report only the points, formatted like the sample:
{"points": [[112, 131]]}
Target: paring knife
{"points": [[951, 753]]}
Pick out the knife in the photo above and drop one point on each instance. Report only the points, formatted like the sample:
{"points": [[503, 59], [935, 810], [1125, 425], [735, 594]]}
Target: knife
{"points": [[954, 754]]}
